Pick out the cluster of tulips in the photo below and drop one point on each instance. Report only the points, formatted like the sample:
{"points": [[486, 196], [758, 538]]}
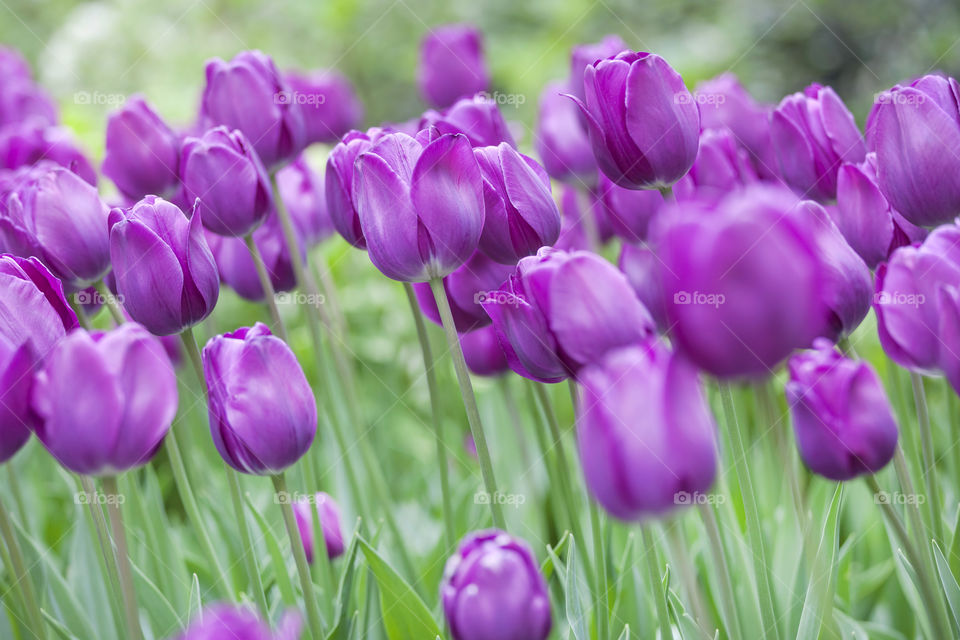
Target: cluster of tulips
{"points": [[753, 235]]}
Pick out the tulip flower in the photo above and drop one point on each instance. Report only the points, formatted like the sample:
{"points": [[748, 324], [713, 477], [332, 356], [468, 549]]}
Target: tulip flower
{"points": [[478, 118], [721, 167], [584, 55], [867, 220], [302, 192], [492, 590], [339, 182], [105, 401], [21, 101], [224, 172], [484, 356], [466, 288], [841, 415], [742, 281], [915, 131], [451, 64], [561, 311], [328, 513], [644, 124], [142, 153], [640, 264], [12, 65], [16, 381], [33, 307], [563, 146], [29, 142], [56, 216], [329, 105], [249, 94], [263, 415], [420, 205], [627, 211], [234, 622], [813, 134], [646, 436], [520, 214], [164, 269], [585, 223]]}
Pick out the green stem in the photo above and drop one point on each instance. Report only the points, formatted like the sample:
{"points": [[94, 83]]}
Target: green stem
{"points": [[450, 530], [603, 588], [469, 402], [656, 583], [21, 576], [110, 301], [299, 555], [269, 293], [108, 559], [719, 555], [254, 580], [14, 485], [124, 568], [329, 289], [929, 461]]}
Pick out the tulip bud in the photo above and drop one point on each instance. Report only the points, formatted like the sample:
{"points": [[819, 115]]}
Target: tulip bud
{"points": [[561, 143], [234, 622], [733, 306], [17, 420], [561, 311], [21, 101], [644, 124], [646, 436], [142, 152], [339, 181], [56, 216], [628, 211], [105, 400], [248, 94], [420, 205], [33, 308], [302, 192], [640, 265], [721, 167], [813, 134], [466, 288], [841, 415], [329, 105], [482, 351], [864, 216], [520, 213], [584, 55], [328, 513], [451, 64], [263, 414], [492, 590], [29, 142], [478, 118], [225, 173], [163, 267]]}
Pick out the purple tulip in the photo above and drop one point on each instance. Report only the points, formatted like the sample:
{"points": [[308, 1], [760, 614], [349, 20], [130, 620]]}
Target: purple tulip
{"points": [[466, 288], [13, 65], [721, 167], [584, 55], [841, 415], [22, 101], [492, 590], [872, 227], [263, 415], [585, 223], [142, 154], [234, 622], [451, 64], [725, 104], [561, 311], [628, 211], [478, 118], [30, 142], [17, 419], [249, 94], [915, 131], [563, 146], [813, 134], [224, 172], [742, 281], [520, 214], [420, 205], [105, 400], [238, 270], [644, 124], [339, 182], [328, 513], [33, 307], [640, 265], [56, 216], [329, 105], [646, 436], [302, 192], [482, 351], [164, 270]]}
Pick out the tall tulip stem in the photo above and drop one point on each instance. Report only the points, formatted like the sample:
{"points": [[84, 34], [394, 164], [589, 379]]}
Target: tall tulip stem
{"points": [[124, 568], [110, 301], [718, 553], [469, 401], [268, 291], [22, 577], [656, 585], [929, 461]]}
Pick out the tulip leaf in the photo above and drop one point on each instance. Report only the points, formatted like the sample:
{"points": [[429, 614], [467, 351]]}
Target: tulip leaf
{"points": [[823, 578], [573, 595], [282, 576], [405, 616], [626, 633], [950, 587], [342, 623], [61, 631]]}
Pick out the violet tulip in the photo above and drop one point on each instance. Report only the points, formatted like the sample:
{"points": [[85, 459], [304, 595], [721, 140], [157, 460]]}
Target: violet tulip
{"points": [[842, 418], [478, 118], [644, 124], [628, 211], [30, 142], [721, 167], [420, 205], [482, 351], [640, 264], [164, 270], [339, 183], [646, 436], [303, 194], [585, 224], [142, 154], [263, 414], [235, 622], [328, 513], [492, 590], [328, 103], [563, 146], [466, 288], [561, 311], [33, 307], [236, 266], [451, 64], [105, 400], [584, 55], [16, 382], [23, 101]]}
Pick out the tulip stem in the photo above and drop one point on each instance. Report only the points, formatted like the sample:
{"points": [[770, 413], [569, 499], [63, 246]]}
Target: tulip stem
{"points": [[656, 583], [124, 568], [254, 581], [428, 365], [300, 556], [110, 301], [20, 574], [717, 551], [268, 292], [469, 401], [929, 461]]}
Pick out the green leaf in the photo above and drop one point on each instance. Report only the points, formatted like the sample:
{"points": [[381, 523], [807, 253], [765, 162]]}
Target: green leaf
{"points": [[282, 576], [405, 616], [342, 619], [817, 603], [949, 582], [573, 595], [626, 633]]}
